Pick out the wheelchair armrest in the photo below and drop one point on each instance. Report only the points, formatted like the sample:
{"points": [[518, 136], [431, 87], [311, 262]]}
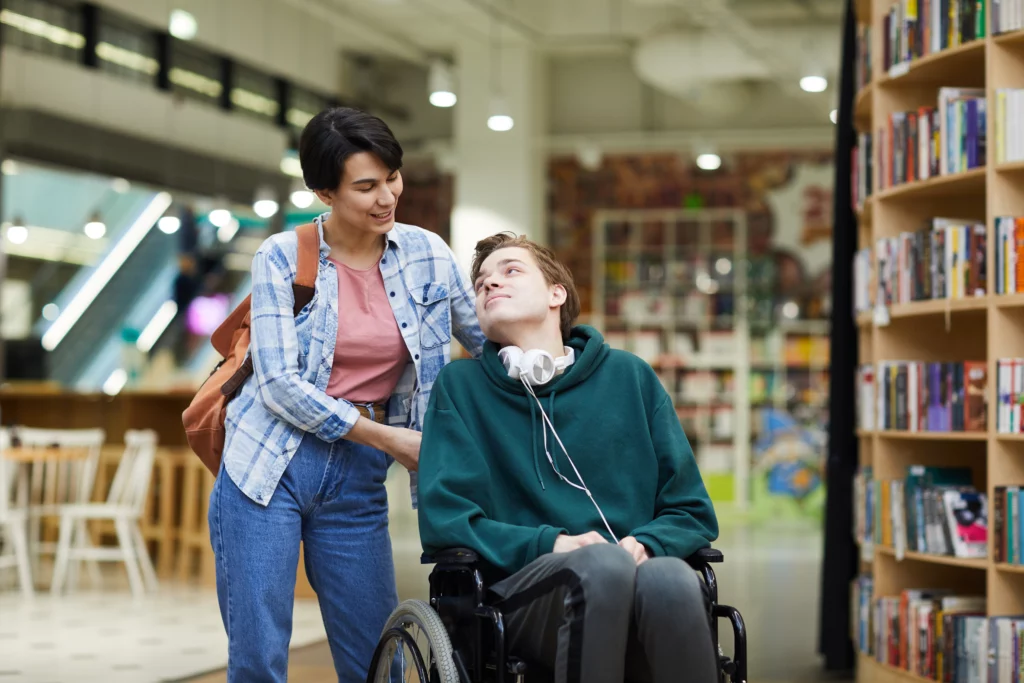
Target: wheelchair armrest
{"points": [[705, 556], [451, 556]]}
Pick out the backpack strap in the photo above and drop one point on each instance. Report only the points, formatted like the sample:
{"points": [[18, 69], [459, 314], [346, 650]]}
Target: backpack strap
{"points": [[303, 288], [308, 263]]}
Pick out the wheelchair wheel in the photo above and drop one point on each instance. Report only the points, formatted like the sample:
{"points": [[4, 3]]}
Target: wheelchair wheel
{"points": [[414, 646]]}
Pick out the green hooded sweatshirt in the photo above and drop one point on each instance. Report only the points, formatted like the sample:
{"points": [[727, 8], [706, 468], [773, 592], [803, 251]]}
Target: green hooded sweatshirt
{"points": [[485, 482]]}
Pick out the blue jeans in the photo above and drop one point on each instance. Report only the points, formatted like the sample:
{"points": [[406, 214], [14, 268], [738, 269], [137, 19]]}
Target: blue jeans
{"points": [[332, 498]]}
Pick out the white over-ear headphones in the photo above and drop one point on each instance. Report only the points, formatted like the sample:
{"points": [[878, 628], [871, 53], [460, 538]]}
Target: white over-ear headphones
{"points": [[536, 366]]}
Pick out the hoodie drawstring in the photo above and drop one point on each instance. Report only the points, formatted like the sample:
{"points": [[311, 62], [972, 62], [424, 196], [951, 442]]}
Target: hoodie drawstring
{"points": [[533, 441]]}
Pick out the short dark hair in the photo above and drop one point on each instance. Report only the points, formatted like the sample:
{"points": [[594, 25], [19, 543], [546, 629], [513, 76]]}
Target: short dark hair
{"points": [[555, 272], [335, 134]]}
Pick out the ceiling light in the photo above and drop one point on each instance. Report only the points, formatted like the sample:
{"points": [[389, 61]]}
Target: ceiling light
{"points": [[440, 84], [291, 166], [95, 228], [169, 224], [219, 218], [813, 84], [17, 233], [443, 99], [723, 266], [183, 25], [302, 199], [500, 120], [834, 116], [51, 311], [115, 383], [9, 167], [265, 204], [228, 230], [709, 162], [790, 310], [120, 185]]}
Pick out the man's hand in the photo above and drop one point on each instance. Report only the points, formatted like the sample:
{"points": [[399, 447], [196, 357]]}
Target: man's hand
{"points": [[636, 549], [566, 544]]}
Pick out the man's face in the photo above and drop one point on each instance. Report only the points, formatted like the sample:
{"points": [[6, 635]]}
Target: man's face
{"points": [[512, 293]]}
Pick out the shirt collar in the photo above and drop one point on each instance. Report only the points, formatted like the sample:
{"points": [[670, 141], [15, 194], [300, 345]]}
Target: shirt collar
{"points": [[393, 235]]}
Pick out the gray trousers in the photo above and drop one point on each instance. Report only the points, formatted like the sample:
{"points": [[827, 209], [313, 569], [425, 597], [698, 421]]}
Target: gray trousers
{"points": [[593, 616]]}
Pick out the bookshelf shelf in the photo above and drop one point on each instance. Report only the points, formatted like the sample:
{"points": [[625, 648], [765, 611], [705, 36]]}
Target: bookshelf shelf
{"points": [[969, 182], [863, 10], [883, 673], [947, 560], [1012, 38], [1009, 568], [1010, 437], [933, 436], [1013, 167], [1008, 300], [956, 66], [862, 108], [937, 307]]}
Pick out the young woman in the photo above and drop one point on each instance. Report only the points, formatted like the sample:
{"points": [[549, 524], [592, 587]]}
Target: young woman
{"points": [[337, 394]]}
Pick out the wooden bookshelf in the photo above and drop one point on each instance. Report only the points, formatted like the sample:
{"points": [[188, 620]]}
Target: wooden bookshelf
{"points": [[1010, 39], [870, 670], [968, 183], [1013, 167], [978, 329], [862, 108], [933, 436], [958, 66]]}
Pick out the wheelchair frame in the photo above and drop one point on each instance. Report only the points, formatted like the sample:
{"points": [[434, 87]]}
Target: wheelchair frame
{"points": [[477, 630]]}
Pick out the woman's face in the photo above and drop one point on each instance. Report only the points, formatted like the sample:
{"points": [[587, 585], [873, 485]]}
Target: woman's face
{"points": [[368, 195]]}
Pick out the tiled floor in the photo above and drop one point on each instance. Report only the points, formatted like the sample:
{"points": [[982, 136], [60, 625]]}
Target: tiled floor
{"points": [[107, 637], [771, 574]]}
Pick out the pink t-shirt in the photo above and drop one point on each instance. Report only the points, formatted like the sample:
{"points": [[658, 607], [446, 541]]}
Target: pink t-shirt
{"points": [[370, 353]]}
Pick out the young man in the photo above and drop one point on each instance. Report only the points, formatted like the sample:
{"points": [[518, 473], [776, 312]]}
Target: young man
{"points": [[579, 491]]}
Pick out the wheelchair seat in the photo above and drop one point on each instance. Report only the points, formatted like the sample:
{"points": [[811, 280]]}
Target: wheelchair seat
{"points": [[465, 636]]}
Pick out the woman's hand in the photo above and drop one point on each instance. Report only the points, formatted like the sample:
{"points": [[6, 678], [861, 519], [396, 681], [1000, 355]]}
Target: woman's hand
{"points": [[404, 446], [400, 443]]}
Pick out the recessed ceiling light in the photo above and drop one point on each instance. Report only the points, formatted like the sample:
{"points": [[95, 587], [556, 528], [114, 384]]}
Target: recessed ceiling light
{"points": [[813, 84], [709, 162], [183, 25]]}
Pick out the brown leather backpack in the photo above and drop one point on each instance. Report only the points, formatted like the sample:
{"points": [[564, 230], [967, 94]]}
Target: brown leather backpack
{"points": [[204, 417]]}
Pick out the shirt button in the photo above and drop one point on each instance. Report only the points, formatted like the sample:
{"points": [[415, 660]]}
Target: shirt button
{"points": [[392, 294], [384, 260], [404, 325], [417, 356]]}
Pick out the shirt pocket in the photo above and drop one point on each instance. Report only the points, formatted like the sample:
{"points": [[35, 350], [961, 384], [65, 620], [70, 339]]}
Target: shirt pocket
{"points": [[434, 309]]}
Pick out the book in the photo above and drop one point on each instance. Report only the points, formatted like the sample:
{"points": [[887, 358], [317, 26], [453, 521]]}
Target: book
{"points": [[1007, 15], [916, 396], [917, 28], [945, 258], [1009, 112]]}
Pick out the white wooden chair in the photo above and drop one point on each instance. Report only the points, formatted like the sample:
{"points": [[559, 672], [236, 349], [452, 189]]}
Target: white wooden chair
{"points": [[47, 484], [13, 523], [124, 506]]}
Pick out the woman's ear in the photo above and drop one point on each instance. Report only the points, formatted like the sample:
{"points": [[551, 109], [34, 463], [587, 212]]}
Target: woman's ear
{"points": [[324, 195]]}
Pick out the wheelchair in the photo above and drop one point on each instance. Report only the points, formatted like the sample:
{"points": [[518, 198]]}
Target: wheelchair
{"points": [[465, 636]]}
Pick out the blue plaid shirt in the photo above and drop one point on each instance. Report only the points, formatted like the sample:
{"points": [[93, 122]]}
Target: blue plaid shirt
{"points": [[293, 355]]}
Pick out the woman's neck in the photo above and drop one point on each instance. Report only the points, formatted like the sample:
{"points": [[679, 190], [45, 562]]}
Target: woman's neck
{"points": [[352, 247]]}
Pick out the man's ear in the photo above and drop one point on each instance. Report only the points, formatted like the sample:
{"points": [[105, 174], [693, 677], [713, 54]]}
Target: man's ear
{"points": [[558, 296], [324, 195]]}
